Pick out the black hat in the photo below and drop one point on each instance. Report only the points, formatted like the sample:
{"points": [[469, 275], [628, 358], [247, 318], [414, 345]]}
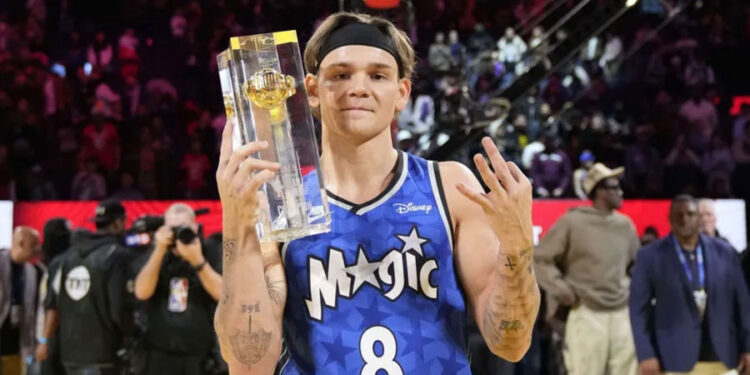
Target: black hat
{"points": [[108, 211]]}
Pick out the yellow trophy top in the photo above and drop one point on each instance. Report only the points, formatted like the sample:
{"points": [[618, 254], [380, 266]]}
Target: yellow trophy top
{"points": [[279, 37]]}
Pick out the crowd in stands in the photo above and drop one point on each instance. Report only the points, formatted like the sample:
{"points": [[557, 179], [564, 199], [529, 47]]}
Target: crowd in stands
{"points": [[121, 99]]}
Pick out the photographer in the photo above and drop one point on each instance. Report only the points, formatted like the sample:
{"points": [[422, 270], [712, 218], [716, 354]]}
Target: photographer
{"points": [[181, 285]]}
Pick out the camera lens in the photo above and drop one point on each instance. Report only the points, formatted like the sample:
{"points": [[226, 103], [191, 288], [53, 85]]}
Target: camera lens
{"points": [[184, 234]]}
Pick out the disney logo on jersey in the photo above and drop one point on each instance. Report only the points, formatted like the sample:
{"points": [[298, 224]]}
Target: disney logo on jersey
{"points": [[405, 208], [391, 275]]}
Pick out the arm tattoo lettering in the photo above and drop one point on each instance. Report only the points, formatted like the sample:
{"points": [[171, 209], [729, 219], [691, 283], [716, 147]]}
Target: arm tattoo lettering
{"points": [[510, 325], [511, 309], [229, 246], [250, 347]]}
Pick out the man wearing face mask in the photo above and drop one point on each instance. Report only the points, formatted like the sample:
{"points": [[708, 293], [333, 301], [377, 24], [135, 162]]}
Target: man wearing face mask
{"points": [[18, 292], [181, 284], [88, 296], [689, 303]]}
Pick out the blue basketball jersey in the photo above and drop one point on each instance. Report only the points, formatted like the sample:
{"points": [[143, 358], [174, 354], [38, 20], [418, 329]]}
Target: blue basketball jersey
{"points": [[378, 294]]}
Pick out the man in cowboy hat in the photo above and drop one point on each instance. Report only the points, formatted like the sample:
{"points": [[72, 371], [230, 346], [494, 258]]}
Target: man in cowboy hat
{"points": [[582, 264]]}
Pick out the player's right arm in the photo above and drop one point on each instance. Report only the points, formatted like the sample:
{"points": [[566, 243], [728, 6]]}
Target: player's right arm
{"points": [[248, 317]]}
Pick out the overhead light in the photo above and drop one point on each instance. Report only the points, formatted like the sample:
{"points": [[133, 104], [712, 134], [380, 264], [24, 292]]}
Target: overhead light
{"points": [[630, 3]]}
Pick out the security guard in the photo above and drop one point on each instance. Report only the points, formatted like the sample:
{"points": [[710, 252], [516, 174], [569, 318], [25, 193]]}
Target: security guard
{"points": [[89, 296]]}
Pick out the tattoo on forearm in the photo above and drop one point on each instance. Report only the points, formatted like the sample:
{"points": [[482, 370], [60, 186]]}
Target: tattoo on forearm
{"points": [[250, 347], [511, 309], [229, 246], [510, 325], [251, 308], [275, 291]]}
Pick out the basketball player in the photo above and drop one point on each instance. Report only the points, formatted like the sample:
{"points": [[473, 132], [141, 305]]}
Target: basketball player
{"points": [[414, 245]]}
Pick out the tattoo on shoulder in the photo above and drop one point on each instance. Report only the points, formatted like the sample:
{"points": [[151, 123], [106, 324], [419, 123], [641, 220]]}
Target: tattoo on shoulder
{"points": [[250, 347], [275, 291], [228, 248]]}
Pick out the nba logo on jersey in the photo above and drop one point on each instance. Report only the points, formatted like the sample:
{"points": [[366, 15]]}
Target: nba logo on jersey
{"points": [[178, 294], [379, 293]]}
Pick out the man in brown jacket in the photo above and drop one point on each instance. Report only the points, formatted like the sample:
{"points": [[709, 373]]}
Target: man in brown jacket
{"points": [[582, 264]]}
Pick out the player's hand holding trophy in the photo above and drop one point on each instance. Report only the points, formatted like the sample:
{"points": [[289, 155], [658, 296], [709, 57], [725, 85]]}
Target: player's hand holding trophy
{"points": [[262, 82]]}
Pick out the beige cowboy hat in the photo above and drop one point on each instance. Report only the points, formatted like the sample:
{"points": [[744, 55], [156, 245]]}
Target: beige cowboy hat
{"points": [[597, 173]]}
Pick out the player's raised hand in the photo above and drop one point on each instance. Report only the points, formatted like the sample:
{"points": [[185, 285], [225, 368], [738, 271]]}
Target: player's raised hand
{"points": [[239, 176], [508, 203]]}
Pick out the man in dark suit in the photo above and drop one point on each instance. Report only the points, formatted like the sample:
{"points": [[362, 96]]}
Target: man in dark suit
{"points": [[689, 304]]}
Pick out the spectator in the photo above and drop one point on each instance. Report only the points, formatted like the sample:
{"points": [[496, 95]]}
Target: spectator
{"points": [[128, 45], [740, 123], [132, 97], [195, 165], [611, 57], [698, 73], [514, 139], [20, 280], [587, 160], [683, 168], [581, 264], [147, 179], [40, 187], [643, 166], [100, 52], [511, 48], [530, 152], [718, 166], [440, 55], [458, 52], [89, 293], [480, 40], [550, 170], [89, 183], [650, 234], [7, 182], [423, 114], [181, 287], [701, 119], [706, 331], [741, 154], [201, 128], [127, 190], [707, 219], [101, 141]]}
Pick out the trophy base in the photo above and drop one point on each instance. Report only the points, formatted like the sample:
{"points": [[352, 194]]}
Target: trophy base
{"points": [[286, 235]]}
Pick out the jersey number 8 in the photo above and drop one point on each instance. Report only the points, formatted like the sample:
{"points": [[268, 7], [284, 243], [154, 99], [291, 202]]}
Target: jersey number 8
{"points": [[385, 361]]}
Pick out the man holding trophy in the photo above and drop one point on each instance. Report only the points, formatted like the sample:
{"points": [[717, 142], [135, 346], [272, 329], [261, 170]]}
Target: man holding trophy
{"points": [[375, 272]]}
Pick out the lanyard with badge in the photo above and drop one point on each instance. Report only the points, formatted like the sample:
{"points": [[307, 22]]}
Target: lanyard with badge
{"points": [[700, 294]]}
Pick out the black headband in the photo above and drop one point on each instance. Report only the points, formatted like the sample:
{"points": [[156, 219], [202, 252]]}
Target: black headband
{"points": [[358, 33]]}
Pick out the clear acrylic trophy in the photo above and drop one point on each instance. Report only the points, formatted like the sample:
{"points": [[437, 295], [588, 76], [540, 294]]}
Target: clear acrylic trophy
{"points": [[262, 82]]}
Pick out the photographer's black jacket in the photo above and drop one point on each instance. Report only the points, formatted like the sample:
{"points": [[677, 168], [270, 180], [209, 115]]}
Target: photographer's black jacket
{"points": [[90, 294], [189, 332]]}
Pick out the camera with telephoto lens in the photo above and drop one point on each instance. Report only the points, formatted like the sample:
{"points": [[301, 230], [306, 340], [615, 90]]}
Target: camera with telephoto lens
{"points": [[184, 234]]}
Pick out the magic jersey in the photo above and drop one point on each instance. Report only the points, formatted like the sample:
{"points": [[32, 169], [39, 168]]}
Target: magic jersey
{"points": [[378, 294]]}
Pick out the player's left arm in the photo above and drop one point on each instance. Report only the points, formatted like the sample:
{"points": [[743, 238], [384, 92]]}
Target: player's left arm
{"points": [[493, 249]]}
